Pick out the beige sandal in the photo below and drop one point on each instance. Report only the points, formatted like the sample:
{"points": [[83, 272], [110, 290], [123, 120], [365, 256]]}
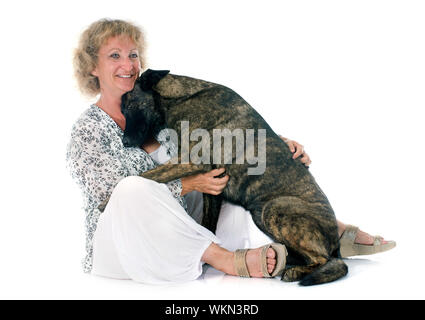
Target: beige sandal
{"points": [[281, 253], [349, 248]]}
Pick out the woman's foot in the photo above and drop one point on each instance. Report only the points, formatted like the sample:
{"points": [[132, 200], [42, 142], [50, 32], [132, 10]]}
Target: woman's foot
{"points": [[361, 237], [253, 262], [224, 260], [354, 242]]}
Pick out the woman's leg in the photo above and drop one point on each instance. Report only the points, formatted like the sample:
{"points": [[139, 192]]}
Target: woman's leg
{"points": [[154, 239], [361, 237]]}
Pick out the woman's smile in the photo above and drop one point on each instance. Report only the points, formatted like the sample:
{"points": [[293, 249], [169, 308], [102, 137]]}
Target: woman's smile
{"points": [[130, 78]]}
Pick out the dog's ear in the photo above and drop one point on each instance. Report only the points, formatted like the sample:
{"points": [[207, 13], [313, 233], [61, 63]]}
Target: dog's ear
{"points": [[150, 77]]}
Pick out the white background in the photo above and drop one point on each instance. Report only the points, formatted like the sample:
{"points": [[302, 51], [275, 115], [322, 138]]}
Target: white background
{"points": [[344, 78]]}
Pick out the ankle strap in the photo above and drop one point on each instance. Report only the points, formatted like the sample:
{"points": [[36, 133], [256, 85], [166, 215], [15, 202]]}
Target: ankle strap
{"points": [[240, 263]]}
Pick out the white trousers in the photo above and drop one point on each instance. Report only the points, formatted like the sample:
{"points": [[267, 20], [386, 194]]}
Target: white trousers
{"points": [[145, 235]]}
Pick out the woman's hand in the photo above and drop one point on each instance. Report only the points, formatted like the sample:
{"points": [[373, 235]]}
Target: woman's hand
{"points": [[205, 182], [298, 150]]}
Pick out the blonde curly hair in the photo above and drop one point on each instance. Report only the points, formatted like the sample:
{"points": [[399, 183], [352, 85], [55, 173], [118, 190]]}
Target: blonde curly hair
{"points": [[86, 54]]}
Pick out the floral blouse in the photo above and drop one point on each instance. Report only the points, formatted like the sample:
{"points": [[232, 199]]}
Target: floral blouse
{"points": [[98, 160]]}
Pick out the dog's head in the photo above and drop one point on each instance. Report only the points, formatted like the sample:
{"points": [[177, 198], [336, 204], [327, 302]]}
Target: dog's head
{"points": [[143, 119]]}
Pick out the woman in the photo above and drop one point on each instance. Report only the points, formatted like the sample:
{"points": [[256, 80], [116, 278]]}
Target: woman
{"points": [[145, 234]]}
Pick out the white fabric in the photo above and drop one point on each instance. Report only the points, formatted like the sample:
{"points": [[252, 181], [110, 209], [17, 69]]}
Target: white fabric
{"points": [[237, 230], [160, 155], [144, 234]]}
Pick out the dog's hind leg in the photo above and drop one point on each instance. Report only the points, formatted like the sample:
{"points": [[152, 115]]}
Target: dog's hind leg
{"points": [[307, 229]]}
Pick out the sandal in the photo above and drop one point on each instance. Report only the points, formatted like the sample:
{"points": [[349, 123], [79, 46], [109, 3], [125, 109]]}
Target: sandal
{"points": [[281, 253], [349, 248]]}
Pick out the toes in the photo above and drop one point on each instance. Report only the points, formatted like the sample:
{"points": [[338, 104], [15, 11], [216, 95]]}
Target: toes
{"points": [[271, 253], [382, 240], [270, 269], [271, 260], [367, 239], [271, 264]]}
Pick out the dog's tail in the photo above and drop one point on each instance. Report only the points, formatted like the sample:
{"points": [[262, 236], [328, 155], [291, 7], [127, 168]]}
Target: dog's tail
{"points": [[334, 269]]}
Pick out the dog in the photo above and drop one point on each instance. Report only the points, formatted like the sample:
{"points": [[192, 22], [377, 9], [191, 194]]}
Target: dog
{"points": [[285, 201]]}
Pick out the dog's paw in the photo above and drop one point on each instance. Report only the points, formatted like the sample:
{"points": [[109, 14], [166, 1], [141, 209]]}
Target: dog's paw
{"points": [[292, 274]]}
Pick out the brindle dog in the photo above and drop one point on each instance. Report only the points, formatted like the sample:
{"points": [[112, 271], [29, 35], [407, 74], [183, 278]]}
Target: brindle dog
{"points": [[285, 201]]}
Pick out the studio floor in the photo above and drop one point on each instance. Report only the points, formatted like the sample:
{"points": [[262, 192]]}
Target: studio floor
{"points": [[382, 276]]}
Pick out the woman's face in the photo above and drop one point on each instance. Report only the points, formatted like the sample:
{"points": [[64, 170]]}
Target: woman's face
{"points": [[118, 66]]}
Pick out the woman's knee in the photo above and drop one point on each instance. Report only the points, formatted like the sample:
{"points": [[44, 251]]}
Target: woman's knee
{"points": [[131, 200], [133, 185], [139, 193]]}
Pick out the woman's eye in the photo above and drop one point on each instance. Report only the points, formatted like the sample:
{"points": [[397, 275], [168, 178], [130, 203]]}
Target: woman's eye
{"points": [[134, 55], [115, 55]]}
